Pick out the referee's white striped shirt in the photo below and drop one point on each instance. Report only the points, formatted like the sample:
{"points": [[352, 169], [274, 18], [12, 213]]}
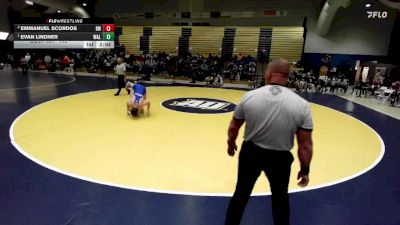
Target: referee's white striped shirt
{"points": [[120, 69], [273, 114]]}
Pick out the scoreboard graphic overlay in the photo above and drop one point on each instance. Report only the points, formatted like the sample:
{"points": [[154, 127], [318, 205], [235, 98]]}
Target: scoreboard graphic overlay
{"points": [[64, 33]]}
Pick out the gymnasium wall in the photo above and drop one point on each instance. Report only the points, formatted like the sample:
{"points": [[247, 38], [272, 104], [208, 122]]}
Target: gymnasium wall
{"points": [[232, 12], [109, 7], [4, 24], [350, 33]]}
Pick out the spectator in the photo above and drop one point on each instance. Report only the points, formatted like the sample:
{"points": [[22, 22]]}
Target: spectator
{"points": [[47, 60], [65, 63]]}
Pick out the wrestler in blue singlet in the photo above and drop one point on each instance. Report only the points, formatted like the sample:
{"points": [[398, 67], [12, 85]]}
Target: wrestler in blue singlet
{"points": [[139, 91]]}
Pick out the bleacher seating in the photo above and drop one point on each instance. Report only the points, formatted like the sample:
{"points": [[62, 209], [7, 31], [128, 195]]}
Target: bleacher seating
{"points": [[246, 40], [206, 40], [131, 38], [165, 39], [287, 42]]}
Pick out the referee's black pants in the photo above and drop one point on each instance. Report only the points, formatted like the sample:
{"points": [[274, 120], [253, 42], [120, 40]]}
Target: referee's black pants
{"points": [[121, 84], [276, 165], [24, 68]]}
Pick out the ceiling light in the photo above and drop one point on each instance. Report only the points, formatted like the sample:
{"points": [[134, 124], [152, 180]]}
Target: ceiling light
{"points": [[29, 2], [368, 5], [58, 11], [84, 4]]}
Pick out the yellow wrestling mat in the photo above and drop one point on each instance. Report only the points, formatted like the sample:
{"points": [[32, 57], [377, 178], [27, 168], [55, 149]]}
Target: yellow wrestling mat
{"points": [[89, 136]]}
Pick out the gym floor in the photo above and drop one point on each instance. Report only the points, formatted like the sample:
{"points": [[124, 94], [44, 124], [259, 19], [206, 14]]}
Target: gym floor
{"points": [[81, 160]]}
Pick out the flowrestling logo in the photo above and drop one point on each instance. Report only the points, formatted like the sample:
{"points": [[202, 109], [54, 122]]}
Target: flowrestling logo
{"points": [[199, 105], [377, 14], [395, 4]]}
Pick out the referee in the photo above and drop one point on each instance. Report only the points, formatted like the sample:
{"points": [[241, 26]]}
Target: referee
{"points": [[274, 115], [120, 71]]}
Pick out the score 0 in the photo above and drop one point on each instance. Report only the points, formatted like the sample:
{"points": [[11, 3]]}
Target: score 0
{"points": [[108, 32], [108, 27]]}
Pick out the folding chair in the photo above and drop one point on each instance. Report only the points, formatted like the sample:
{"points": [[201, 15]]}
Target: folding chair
{"points": [[384, 95], [378, 94]]}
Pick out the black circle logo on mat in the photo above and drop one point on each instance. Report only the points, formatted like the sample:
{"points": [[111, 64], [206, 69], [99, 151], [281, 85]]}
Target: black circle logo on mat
{"points": [[199, 105]]}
